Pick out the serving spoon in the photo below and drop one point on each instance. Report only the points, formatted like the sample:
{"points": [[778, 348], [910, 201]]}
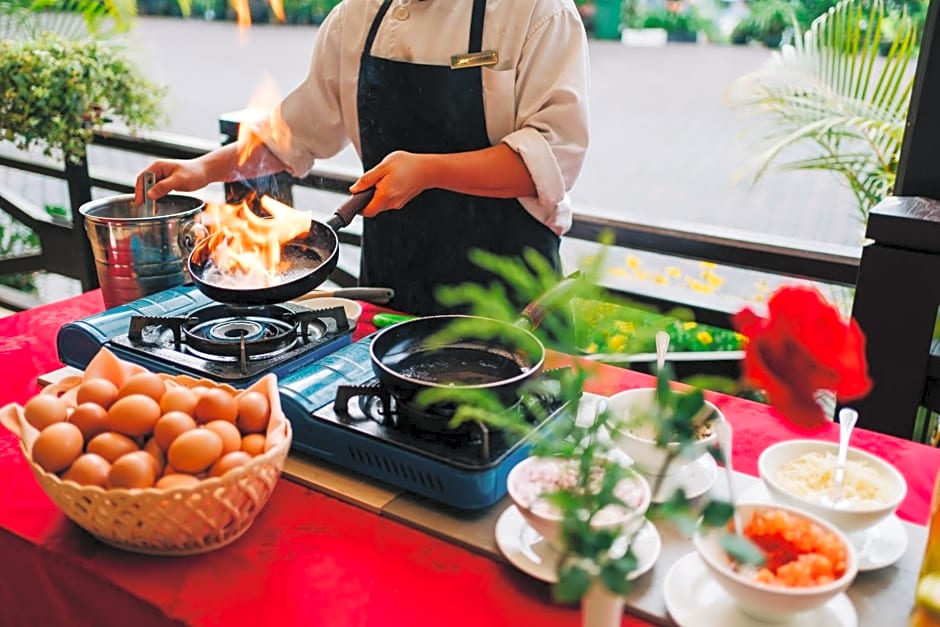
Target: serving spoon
{"points": [[847, 420], [662, 347]]}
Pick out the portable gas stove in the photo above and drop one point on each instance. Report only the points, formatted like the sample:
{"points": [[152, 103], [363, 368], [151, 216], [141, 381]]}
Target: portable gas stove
{"points": [[340, 413], [181, 331], [328, 391]]}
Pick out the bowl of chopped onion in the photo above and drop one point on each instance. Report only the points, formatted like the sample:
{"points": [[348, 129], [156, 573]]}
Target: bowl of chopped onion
{"points": [[532, 482], [807, 562], [801, 473], [637, 433]]}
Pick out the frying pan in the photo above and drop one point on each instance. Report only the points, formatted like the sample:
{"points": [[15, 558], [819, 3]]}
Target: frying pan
{"points": [[308, 261], [411, 356]]}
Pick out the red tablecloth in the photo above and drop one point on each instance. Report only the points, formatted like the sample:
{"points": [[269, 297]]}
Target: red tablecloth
{"points": [[308, 559]]}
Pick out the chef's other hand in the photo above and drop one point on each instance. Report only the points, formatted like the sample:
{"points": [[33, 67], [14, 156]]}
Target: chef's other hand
{"points": [[397, 179], [181, 176]]}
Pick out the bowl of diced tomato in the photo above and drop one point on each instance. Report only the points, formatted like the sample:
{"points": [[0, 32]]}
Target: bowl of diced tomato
{"points": [[807, 562]]}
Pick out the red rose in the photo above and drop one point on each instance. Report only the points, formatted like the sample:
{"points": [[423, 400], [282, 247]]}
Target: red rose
{"points": [[803, 346]]}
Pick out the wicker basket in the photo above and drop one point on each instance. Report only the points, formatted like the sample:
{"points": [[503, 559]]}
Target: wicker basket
{"points": [[178, 521]]}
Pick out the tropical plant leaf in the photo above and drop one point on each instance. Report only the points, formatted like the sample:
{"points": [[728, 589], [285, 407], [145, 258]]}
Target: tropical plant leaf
{"points": [[832, 95]]}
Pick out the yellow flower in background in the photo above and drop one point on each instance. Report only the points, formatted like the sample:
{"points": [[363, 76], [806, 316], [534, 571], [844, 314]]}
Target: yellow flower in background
{"points": [[698, 286], [633, 262], [591, 348], [689, 325], [617, 343], [761, 286], [673, 271], [704, 337], [707, 265], [713, 279], [625, 326], [618, 272], [662, 279]]}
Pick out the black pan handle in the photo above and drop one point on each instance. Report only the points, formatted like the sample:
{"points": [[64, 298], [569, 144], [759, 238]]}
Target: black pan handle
{"points": [[548, 302], [350, 209]]}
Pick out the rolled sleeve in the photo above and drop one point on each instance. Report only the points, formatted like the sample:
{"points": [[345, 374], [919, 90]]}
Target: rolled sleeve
{"points": [[552, 116]]}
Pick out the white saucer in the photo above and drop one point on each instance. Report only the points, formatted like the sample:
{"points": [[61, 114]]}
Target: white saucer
{"points": [[529, 552], [695, 599], [697, 478], [878, 547]]}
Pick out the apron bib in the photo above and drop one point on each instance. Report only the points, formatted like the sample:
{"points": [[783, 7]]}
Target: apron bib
{"points": [[426, 243]]}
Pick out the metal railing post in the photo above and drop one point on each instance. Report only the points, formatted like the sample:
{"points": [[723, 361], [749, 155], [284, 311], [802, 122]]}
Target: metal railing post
{"points": [[79, 185]]}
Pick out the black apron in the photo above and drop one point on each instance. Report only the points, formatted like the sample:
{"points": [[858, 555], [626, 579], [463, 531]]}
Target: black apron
{"points": [[434, 109]]}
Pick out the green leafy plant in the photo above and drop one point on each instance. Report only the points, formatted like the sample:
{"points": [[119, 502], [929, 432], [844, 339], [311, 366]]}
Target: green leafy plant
{"points": [[56, 91], [831, 94]]}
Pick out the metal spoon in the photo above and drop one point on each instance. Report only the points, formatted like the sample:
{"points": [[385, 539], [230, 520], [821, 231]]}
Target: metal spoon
{"points": [[847, 420], [662, 347], [723, 431], [150, 207]]}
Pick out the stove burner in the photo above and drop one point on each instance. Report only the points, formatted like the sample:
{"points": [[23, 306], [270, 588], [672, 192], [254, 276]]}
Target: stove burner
{"points": [[240, 335], [433, 424]]}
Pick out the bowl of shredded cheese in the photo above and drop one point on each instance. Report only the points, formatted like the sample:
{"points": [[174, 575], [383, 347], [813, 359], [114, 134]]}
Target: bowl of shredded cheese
{"points": [[801, 473]]}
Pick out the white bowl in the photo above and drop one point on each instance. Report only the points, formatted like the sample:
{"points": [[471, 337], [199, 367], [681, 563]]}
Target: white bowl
{"points": [[352, 308], [524, 492], [850, 519], [629, 406], [767, 602]]}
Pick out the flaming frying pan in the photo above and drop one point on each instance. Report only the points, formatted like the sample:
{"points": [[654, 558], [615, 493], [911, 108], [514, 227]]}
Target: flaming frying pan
{"points": [[307, 262]]}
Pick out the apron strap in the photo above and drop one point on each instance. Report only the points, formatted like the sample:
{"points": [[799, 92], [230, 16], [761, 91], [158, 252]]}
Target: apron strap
{"points": [[476, 26], [370, 39]]}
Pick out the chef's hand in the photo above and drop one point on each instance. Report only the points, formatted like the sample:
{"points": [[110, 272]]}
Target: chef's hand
{"points": [[171, 174], [397, 179]]}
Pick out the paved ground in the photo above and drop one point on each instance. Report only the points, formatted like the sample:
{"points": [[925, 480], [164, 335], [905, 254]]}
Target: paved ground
{"points": [[664, 143]]}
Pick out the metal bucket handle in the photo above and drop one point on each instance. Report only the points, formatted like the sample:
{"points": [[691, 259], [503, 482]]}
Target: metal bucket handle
{"points": [[190, 233]]}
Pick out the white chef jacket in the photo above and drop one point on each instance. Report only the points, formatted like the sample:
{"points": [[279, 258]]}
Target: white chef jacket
{"points": [[534, 97]]}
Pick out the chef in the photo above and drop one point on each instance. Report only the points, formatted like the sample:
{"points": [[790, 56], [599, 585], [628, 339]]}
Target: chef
{"points": [[471, 120]]}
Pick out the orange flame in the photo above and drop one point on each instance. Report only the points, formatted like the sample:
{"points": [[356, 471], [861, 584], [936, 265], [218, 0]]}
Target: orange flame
{"points": [[264, 103], [246, 247]]}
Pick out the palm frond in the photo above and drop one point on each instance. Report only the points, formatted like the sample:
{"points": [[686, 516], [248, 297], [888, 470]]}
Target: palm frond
{"points": [[71, 19], [832, 94]]}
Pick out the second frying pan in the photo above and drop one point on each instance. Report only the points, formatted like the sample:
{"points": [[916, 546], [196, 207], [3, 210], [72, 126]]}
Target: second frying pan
{"points": [[307, 262]]}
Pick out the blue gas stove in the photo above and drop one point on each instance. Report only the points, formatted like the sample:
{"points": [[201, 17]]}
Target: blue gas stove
{"points": [[337, 409]]}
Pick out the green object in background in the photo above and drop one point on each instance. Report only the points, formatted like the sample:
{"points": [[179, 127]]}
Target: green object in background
{"points": [[381, 320], [607, 19]]}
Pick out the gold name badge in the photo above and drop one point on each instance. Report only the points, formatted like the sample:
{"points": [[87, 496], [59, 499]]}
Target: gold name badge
{"points": [[474, 59]]}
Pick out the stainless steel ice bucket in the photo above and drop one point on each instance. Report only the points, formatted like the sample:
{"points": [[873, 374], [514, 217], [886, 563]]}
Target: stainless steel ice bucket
{"points": [[137, 252]]}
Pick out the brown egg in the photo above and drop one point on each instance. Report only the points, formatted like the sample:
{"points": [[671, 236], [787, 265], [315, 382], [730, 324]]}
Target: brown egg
{"points": [[194, 451], [253, 444], [134, 470], [111, 446], [98, 391], [228, 462], [170, 425], [57, 446], [228, 432], [146, 383], [216, 404], [152, 448], [90, 418], [176, 480], [179, 399], [88, 469], [44, 409], [253, 412], [134, 415]]}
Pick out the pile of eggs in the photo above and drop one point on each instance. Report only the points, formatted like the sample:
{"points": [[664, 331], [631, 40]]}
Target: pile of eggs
{"points": [[149, 432]]}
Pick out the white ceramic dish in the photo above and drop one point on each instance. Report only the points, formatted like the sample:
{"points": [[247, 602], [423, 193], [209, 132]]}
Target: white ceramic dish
{"points": [[773, 603], [850, 520], [353, 309], [694, 599], [548, 523], [879, 546], [529, 552], [696, 479], [630, 405]]}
